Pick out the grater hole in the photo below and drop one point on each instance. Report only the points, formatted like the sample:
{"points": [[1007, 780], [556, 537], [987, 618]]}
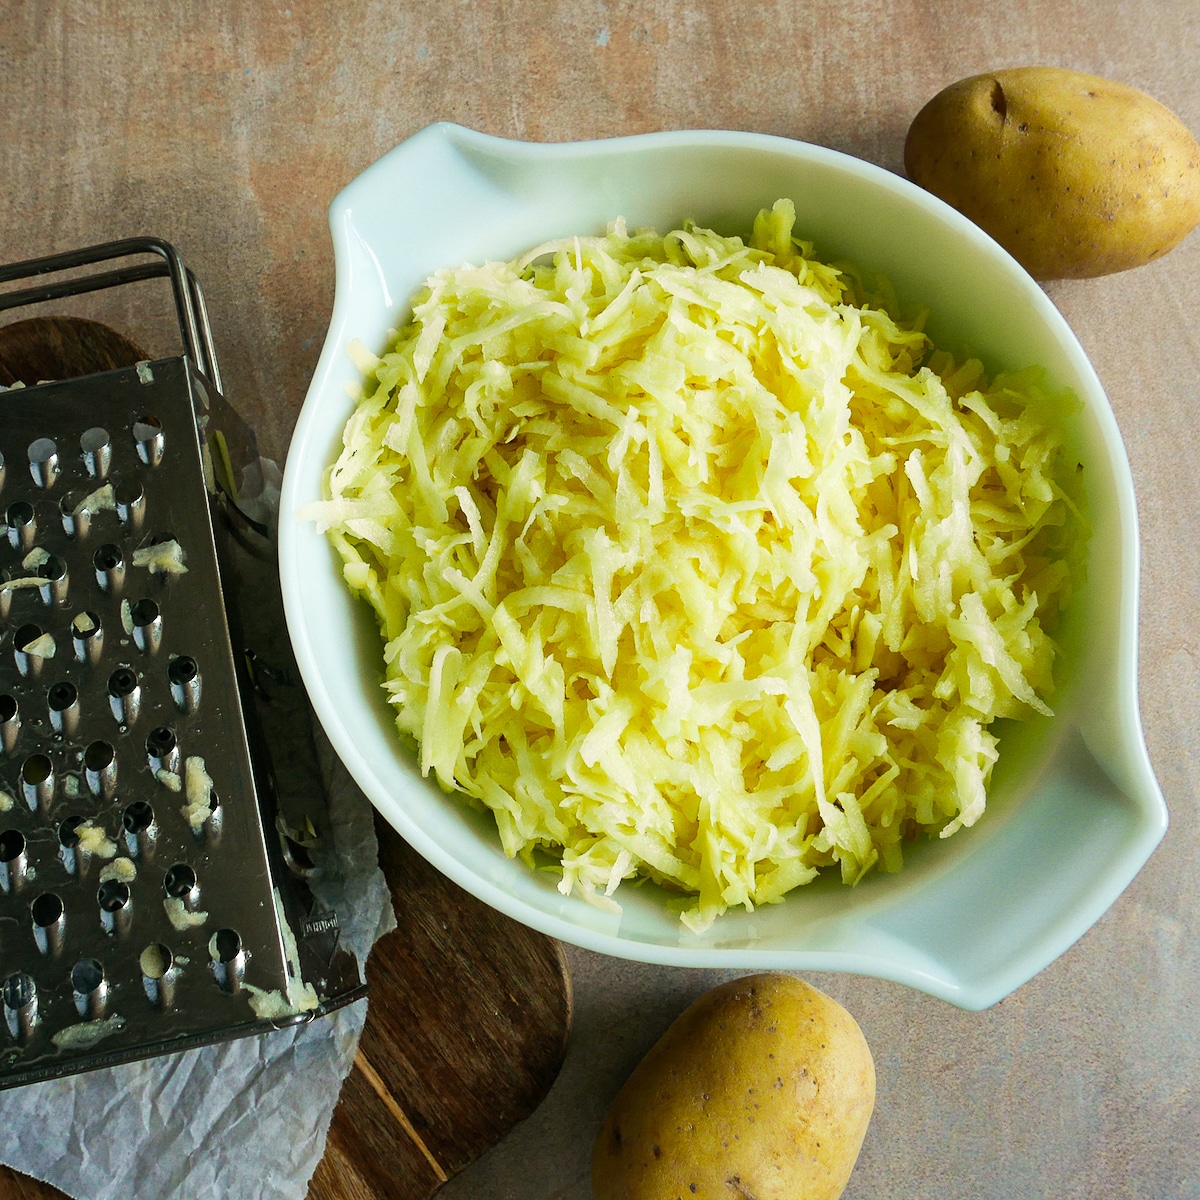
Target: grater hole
{"points": [[112, 895], [145, 625], [143, 612], [46, 910], [10, 723], [124, 695], [100, 769], [86, 625], [225, 946], [54, 574], [180, 881], [96, 448], [20, 1001], [87, 635], [148, 435], [53, 570], [22, 526], [76, 518], [12, 845], [158, 977], [63, 701], [130, 499], [122, 682], [182, 670], [160, 742], [19, 514], [42, 450], [68, 832], [108, 557], [36, 769], [228, 961], [156, 960], [140, 830], [18, 990], [87, 980], [184, 676], [43, 461], [26, 636], [31, 646], [109, 565], [99, 756], [93, 439], [37, 778], [87, 975], [138, 817]]}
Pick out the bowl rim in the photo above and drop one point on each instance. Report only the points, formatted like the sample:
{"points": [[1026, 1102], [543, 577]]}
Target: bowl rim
{"points": [[988, 987]]}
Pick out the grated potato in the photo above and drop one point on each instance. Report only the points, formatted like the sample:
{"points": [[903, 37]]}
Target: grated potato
{"points": [[180, 917], [691, 562], [162, 558], [120, 869], [197, 790]]}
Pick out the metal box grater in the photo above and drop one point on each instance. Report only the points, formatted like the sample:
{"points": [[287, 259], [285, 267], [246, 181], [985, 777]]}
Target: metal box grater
{"points": [[154, 877]]}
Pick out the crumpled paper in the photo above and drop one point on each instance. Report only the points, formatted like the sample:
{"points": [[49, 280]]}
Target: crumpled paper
{"points": [[239, 1119]]}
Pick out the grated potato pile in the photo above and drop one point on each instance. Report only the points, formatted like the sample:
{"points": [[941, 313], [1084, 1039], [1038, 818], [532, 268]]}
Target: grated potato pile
{"points": [[692, 563]]}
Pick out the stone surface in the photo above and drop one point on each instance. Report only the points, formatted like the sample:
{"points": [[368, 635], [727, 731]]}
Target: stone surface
{"points": [[228, 128]]}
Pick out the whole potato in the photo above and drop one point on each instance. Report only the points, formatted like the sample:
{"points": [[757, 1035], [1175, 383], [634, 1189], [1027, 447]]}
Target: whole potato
{"points": [[763, 1088], [1072, 174]]}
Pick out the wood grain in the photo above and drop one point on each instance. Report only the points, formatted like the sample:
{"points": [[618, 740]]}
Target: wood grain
{"points": [[465, 1034], [369, 1155], [58, 347], [15, 1186]]}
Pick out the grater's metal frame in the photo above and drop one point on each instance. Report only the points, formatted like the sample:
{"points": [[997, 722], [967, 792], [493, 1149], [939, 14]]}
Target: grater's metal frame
{"points": [[266, 708]]}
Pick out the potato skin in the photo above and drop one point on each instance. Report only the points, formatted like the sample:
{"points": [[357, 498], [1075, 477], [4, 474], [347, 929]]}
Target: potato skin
{"points": [[762, 1089], [1074, 175]]}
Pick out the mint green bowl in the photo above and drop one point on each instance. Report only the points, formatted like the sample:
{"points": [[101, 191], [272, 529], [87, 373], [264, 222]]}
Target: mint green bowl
{"points": [[1074, 810]]}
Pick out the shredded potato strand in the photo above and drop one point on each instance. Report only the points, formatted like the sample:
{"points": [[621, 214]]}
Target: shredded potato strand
{"points": [[692, 563]]}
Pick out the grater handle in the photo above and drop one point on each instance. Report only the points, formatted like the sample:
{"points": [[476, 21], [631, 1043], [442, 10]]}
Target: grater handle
{"points": [[194, 327]]}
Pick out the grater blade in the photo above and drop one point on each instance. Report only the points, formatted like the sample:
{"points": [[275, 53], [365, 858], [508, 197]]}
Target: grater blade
{"points": [[154, 873]]}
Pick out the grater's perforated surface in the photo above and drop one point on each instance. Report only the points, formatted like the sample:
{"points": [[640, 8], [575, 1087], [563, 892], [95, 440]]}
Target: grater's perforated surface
{"points": [[114, 677]]}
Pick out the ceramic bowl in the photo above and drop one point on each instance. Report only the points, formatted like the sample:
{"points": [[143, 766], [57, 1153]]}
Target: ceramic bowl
{"points": [[1074, 809]]}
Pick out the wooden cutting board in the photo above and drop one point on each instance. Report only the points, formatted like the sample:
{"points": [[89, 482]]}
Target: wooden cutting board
{"points": [[466, 1030], [469, 1011]]}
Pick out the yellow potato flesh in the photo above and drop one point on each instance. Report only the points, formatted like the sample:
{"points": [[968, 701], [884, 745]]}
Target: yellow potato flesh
{"points": [[764, 1087], [1074, 175]]}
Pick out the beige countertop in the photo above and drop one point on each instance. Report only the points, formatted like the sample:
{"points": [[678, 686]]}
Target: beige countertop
{"points": [[227, 128]]}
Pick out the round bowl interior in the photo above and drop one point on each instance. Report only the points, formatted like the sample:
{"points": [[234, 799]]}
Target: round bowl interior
{"points": [[1074, 810]]}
